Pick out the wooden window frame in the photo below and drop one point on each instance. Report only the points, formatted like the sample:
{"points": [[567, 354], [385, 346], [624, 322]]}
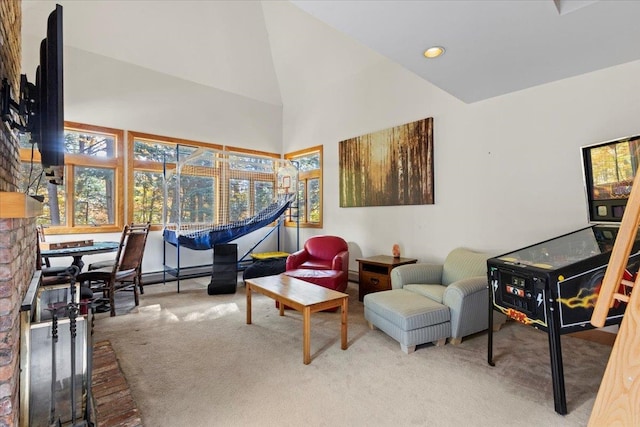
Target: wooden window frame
{"points": [[158, 167], [152, 166], [305, 176], [70, 162]]}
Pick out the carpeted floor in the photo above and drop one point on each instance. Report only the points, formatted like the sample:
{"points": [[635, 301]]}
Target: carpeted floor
{"points": [[191, 359]]}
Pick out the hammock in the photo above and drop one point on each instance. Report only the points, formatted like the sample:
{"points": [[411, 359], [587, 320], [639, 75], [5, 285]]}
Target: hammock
{"points": [[203, 239]]}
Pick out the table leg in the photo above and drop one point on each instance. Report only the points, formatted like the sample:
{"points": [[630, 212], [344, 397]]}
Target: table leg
{"points": [[248, 287], [306, 335], [281, 307], [77, 261], [343, 329]]}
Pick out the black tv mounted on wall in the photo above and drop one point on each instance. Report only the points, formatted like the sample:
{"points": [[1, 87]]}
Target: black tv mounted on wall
{"points": [[609, 169], [40, 108], [49, 80]]}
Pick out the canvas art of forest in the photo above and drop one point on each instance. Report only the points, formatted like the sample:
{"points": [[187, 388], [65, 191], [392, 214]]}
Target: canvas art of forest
{"points": [[389, 167]]}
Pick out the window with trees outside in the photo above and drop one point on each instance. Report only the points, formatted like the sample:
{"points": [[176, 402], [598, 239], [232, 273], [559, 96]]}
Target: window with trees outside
{"points": [[92, 195], [251, 186], [309, 205], [248, 185], [92, 198], [150, 155]]}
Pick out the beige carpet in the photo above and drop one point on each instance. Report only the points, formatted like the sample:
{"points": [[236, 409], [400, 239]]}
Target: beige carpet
{"points": [[191, 360]]}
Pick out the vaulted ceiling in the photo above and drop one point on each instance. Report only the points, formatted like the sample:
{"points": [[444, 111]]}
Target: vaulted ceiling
{"points": [[275, 51]]}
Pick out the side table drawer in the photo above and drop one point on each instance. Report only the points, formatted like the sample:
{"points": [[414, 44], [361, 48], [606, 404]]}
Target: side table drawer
{"points": [[373, 282], [374, 273]]}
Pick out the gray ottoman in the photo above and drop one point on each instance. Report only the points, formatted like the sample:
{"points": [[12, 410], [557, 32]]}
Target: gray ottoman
{"points": [[407, 317]]}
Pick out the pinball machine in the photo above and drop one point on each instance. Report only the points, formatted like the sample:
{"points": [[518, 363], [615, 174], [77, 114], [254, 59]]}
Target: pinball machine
{"points": [[553, 285]]}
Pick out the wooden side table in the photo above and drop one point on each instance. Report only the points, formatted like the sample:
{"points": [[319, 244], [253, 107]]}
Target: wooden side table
{"points": [[374, 273]]}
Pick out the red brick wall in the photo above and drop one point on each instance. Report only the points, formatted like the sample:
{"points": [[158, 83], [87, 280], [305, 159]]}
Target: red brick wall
{"points": [[10, 68], [17, 236]]}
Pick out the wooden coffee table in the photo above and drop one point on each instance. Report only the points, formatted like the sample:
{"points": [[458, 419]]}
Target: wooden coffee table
{"points": [[302, 296]]}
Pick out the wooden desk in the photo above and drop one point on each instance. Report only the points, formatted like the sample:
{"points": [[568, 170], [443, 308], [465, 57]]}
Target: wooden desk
{"points": [[374, 273], [302, 296]]}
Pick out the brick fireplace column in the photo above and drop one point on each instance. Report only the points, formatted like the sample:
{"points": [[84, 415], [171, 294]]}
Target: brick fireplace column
{"points": [[17, 235]]}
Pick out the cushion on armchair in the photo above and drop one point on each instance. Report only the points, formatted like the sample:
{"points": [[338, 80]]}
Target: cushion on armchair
{"points": [[434, 292], [462, 263]]}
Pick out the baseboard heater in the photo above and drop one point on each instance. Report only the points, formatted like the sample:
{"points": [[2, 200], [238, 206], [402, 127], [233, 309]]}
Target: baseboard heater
{"points": [[154, 277]]}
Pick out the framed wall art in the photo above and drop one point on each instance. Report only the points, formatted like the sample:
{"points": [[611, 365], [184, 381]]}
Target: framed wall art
{"points": [[389, 167]]}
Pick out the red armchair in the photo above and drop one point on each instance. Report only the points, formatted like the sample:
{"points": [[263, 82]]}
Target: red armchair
{"points": [[324, 261], [321, 253]]}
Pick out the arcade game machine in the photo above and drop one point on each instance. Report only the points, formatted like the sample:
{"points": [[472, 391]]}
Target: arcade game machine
{"points": [[553, 285]]}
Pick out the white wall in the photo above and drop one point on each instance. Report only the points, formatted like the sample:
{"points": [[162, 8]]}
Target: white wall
{"points": [[103, 91], [507, 170], [106, 92]]}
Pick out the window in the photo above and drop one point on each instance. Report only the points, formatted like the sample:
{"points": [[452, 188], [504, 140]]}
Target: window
{"points": [[92, 198], [93, 192], [309, 205], [212, 191], [251, 182], [150, 154]]}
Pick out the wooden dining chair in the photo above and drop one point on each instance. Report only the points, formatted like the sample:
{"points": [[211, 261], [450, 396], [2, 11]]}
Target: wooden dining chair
{"points": [[109, 263], [42, 239], [124, 274], [52, 275]]}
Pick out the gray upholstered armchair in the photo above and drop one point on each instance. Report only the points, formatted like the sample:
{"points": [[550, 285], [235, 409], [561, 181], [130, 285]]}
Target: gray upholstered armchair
{"points": [[460, 284], [433, 302]]}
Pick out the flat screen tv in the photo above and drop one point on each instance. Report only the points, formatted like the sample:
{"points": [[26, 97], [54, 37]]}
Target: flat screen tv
{"points": [[609, 169], [49, 83]]}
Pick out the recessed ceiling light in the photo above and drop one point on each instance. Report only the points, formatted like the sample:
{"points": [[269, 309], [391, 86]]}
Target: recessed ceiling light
{"points": [[434, 52]]}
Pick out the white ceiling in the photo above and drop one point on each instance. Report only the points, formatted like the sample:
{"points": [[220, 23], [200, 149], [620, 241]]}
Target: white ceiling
{"points": [[492, 47], [275, 51]]}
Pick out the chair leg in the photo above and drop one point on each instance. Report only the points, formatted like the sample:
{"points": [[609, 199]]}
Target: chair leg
{"points": [[140, 282], [135, 291], [101, 301], [407, 349], [112, 301], [441, 342], [498, 323]]}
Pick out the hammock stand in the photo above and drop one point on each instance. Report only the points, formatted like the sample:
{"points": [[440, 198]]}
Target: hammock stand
{"points": [[200, 237], [207, 238]]}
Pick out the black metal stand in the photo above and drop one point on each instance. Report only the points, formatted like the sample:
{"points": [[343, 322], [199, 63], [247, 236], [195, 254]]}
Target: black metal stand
{"points": [[555, 348], [72, 310], [54, 340], [555, 352], [490, 331]]}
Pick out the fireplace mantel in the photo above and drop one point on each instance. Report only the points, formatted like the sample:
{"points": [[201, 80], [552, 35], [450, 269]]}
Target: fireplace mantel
{"points": [[18, 205]]}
